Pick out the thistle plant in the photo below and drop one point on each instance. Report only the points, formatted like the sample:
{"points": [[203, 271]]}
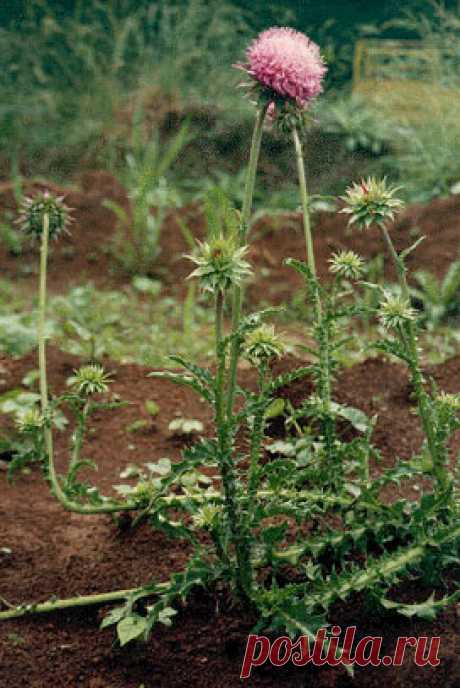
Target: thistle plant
{"points": [[246, 519], [43, 217], [373, 202], [287, 71]]}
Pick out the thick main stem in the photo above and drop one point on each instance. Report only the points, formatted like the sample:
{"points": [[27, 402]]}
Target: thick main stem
{"points": [[256, 442], [321, 325], [226, 461], [244, 226], [417, 378], [48, 433]]}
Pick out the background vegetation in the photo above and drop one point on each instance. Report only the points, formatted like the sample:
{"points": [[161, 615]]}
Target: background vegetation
{"points": [[146, 91]]}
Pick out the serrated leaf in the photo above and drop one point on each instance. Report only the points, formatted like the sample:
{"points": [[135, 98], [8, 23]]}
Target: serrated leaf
{"points": [[424, 610]]}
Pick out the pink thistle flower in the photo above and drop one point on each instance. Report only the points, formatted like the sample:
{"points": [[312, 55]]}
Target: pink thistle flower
{"points": [[287, 62]]}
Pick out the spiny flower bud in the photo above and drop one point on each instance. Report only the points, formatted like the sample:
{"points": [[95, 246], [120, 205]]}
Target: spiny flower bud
{"points": [[90, 379], [287, 116], [371, 202], [206, 516], [29, 421], [33, 210], [221, 264], [395, 312], [143, 493], [262, 345], [347, 265], [449, 401]]}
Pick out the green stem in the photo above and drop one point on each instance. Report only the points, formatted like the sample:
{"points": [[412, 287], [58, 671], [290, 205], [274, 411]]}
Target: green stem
{"points": [[305, 203], [321, 325], [78, 437], [227, 468], [220, 358], [48, 436], [423, 399], [48, 433], [80, 601], [256, 441], [244, 226], [398, 263]]}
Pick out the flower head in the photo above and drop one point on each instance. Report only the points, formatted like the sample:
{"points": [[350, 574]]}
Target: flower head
{"points": [[220, 263], [395, 312], [33, 210], [347, 265], [143, 493], [263, 345], [29, 421], [206, 517], [286, 64], [90, 379], [371, 202], [450, 402]]}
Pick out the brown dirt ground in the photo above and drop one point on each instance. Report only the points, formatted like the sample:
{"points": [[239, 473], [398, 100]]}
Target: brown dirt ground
{"points": [[84, 255], [57, 553]]}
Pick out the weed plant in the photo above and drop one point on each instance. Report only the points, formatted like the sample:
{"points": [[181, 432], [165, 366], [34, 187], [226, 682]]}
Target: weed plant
{"points": [[247, 526]]}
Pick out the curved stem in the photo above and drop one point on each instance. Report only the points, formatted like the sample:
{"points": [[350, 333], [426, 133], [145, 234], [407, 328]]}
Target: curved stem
{"points": [[48, 432], [244, 226]]}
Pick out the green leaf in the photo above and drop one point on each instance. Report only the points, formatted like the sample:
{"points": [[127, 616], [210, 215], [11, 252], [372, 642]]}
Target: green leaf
{"points": [[424, 610], [113, 617], [185, 426], [357, 418], [162, 466], [275, 408], [137, 425], [165, 615], [130, 628], [152, 407], [403, 255], [147, 286], [281, 447]]}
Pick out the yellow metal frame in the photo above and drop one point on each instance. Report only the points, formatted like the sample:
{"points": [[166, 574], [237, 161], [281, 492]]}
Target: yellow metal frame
{"points": [[383, 73]]}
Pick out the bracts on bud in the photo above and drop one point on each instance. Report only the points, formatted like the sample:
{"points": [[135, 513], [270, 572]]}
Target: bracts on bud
{"points": [[33, 210]]}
